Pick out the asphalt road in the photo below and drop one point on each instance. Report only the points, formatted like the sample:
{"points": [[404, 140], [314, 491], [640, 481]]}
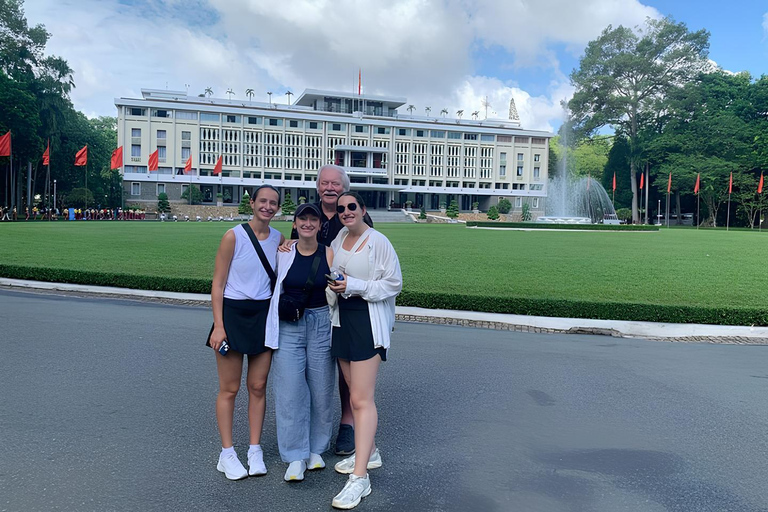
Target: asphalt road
{"points": [[108, 405]]}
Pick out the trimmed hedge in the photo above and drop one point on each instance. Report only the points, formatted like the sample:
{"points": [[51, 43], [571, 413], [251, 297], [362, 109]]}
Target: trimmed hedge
{"points": [[546, 225], [430, 300]]}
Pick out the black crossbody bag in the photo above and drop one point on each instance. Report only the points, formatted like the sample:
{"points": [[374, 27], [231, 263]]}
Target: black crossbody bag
{"points": [[290, 309]]}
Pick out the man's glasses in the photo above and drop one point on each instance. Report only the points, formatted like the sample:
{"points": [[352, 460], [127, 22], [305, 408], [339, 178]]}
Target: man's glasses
{"points": [[351, 206]]}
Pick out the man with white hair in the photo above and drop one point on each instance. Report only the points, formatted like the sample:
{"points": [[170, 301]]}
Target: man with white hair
{"points": [[332, 181]]}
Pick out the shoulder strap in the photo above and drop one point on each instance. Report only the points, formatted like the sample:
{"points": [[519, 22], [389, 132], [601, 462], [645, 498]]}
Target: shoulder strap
{"points": [[262, 256], [365, 236], [313, 273]]}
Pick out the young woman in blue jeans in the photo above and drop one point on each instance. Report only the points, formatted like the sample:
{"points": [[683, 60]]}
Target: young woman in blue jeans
{"points": [[303, 371]]}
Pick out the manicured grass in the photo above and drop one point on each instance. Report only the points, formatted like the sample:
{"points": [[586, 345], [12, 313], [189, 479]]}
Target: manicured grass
{"points": [[672, 267]]}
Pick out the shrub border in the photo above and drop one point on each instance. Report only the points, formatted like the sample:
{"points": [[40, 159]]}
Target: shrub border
{"points": [[546, 225], [434, 300]]}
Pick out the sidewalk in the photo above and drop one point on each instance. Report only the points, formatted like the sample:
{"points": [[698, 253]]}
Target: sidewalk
{"points": [[744, 335]]}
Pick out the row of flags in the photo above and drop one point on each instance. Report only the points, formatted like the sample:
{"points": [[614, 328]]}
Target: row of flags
{"points": [[81, 159], [116, 162], [696, 187]]}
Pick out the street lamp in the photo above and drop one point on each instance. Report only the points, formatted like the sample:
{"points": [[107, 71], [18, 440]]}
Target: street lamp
{"points": [[54, 194]]}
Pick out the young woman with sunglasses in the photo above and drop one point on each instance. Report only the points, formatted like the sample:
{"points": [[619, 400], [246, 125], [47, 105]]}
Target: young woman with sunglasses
{"points": [[363, 315], [240, 299]]}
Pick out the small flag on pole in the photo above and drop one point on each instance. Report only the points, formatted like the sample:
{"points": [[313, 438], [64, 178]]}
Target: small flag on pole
{"points": [[117, 158], [696, 188], [760, 185], [153, 161], [217, 168], [730, 185], [47, 154], [669, 184], [614, 182], [81, 158], [188, 165], [642, 181], [5, 144], [359, 81]]}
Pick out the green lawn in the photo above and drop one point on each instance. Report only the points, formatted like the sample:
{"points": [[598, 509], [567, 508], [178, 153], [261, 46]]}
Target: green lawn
{"points": [[675, 267]]}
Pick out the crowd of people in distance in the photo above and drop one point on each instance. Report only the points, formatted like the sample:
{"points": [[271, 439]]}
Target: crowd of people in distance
{"points": [[300, 309], [11, 214]]}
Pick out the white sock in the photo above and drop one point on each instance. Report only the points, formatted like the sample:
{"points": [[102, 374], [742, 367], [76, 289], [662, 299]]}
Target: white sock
{"points": [[227, 451], [254, 448]]}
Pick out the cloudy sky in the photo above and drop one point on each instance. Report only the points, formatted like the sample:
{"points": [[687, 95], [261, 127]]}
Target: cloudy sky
{"points": [[437, 53]]}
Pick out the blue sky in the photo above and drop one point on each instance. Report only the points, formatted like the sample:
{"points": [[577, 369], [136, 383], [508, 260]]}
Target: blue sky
{"points": [[438, 53]]}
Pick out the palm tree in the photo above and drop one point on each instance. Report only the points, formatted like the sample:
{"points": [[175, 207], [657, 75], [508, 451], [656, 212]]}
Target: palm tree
{"points": [[208, 92], [249, 94], [459, 113], [269, 93], [411, 108], [229, 93], [475, 114], [427, 110], [289, 94], [444, 112]]}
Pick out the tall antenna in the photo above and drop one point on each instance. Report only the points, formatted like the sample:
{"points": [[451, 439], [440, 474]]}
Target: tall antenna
{"points": [[486, 104]]}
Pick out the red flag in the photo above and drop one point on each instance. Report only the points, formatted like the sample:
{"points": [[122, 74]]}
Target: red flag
{"points": [[5, 144], [614, 182], [81, 158], [359, 81], [669, 184], [760, 185], [217, 169], [153, 161], [188, 165], [47, 155], [117, 158], [730, 185], [642, 181], [696, 188]]}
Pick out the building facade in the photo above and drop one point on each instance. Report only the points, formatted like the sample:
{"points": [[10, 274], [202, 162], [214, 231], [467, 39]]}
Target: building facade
{"points": [[391, 157]]}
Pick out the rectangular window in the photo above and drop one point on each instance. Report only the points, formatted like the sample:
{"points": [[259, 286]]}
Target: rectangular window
{"points": [[160, 188], [404, 131], [487, 138], [520, 157], [536, 173], [233, 119], [336, 127], [437, 134], [161, 113], [254, 120], [454, 135], [136, 150], [470, 136], [518, 202], [205, 116], [186, 135], [275, 122], [519, 170], [421, 133], [361, 129], [137, 112], [161, 153], [502, 170], [504, 138], [538, 140], [184, 114], [536, 157], [382, 130], [185, 152], [135, 189], [535, 202], [135, 132], [294, 124], [162, 134], [314, 125]]}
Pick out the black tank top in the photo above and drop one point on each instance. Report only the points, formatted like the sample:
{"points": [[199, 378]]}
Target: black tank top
{"points": [[296, 279]]}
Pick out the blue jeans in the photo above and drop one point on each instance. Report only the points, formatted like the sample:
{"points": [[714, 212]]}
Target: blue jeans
{"points": [[303, 378]]}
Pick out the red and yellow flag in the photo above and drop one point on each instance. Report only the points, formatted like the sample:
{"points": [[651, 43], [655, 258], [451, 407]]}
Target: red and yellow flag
{"points": [[117, 158], [696, 188], [188, 165], [81, 158], [153, 161], [47, 154]]}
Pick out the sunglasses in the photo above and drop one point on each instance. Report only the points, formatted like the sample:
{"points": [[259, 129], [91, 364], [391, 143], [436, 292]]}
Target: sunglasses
{"points": [[351, 206]]}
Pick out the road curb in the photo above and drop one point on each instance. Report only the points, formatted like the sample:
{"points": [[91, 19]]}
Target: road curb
{"points": [[687, 333]]}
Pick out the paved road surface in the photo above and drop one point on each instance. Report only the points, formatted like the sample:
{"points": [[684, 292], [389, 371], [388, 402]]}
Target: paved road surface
{"points": [[108, 405]]}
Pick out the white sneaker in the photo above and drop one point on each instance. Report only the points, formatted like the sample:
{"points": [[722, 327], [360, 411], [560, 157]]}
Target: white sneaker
{"points": [[315, 462], [256, 465], [356, 488], [295, 471], [347, 466], [230, 465]]}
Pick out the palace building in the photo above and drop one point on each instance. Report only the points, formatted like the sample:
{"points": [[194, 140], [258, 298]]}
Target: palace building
{"points": [[391, 155]]}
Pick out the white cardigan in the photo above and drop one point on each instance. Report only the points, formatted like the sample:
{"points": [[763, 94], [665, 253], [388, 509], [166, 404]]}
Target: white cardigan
{"points": [[284, 262], [384, 282]]}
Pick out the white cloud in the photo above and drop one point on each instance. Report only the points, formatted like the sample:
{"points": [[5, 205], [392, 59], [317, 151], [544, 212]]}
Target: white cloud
{"points": [[420, 49]]}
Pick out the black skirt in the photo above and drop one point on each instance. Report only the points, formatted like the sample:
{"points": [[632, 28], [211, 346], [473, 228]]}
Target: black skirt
{"points": [[353, 341], [245, 322]]}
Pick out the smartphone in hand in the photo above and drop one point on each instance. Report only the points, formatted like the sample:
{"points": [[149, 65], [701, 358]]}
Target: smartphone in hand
{"points": [[224, 348]]}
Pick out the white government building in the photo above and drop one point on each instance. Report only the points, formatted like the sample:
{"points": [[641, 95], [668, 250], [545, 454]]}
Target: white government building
{"points": [[391, 156]]}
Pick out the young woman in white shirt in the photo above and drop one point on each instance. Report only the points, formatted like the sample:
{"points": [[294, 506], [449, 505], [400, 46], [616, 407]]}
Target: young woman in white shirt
{"points": [[240, 299], [363, 316]]}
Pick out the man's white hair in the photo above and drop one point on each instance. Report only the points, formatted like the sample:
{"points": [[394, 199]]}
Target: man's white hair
{"points": [[342, 173]]}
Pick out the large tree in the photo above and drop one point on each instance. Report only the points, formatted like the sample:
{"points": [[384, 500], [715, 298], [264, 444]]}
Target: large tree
{"points": [[625, 75]]}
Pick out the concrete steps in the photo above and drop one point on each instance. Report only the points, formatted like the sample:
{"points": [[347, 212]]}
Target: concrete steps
{"points": [[381, 216]]}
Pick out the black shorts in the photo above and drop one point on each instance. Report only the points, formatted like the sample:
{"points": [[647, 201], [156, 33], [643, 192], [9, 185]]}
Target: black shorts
{"points": [[353, 341], [245, 322]]}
